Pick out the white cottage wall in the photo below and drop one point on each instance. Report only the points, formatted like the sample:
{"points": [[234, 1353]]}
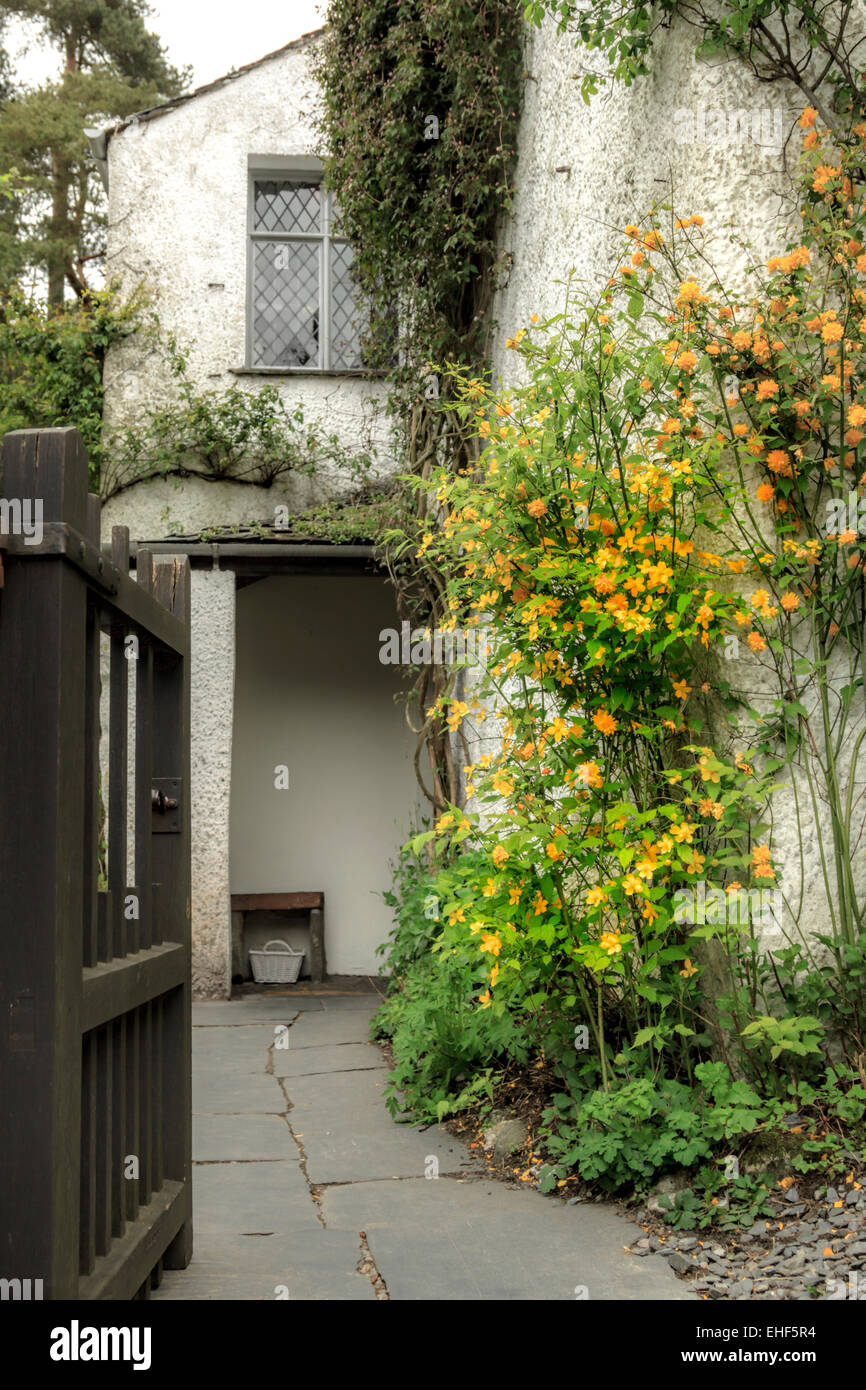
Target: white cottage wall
{"points": [[711, 138], [212, 701], [705, 132], [585, 171], [178, 187]]}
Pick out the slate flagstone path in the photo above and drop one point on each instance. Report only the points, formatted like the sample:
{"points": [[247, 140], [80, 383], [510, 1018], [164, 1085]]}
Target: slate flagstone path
{"points": [[295, 1156]]}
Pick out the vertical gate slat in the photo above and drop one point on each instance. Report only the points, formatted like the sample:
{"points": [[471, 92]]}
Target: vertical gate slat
{"points": [[118, 754], [104, 1140], [90, 740], [90, 734], [156, 1088], [119, 1131], [145, 1101], [105, 927], [130, 1184], [87, 1218], [171, 868], [144, 763], [43, 610]]}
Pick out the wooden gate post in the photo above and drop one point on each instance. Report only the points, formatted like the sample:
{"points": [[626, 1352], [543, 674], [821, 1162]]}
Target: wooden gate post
{"points": [[42, 767], [95, 981], [171, 870]]}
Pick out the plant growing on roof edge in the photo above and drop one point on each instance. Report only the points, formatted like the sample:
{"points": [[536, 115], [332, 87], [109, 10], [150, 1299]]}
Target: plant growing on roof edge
{"points": [[229, 435]]}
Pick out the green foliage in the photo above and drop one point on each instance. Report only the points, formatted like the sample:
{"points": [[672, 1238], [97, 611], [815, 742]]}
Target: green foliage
{"points": [[623, 31], [5, 71], [226, 435], [414, 899], [445, 1051], [810, 998], [51, 364], [110, 66], [714, 1201], [642, 1128], [342, 523], [636, 1132], [420, 117], [642, 426]]}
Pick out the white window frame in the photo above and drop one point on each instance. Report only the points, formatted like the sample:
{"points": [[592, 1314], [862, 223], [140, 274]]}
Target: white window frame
{"points": [[305, 170]]}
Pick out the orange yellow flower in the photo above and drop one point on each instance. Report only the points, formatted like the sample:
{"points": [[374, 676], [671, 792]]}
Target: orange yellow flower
{"points": [[604, 722]]}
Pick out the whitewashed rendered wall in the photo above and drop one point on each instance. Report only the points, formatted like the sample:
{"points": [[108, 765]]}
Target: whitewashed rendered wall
{"points": [[312, 695], [624, 151], [212, 703], [709, 133], [178, 225]]}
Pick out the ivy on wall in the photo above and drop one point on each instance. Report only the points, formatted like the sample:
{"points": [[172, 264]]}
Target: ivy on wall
{"points": [[420, 120], [419, 115]]}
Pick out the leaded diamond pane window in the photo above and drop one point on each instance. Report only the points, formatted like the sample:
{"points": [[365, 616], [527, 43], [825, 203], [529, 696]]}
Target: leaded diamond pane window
{"points": [[306, 311], [287, 207], [348, 317], [286, 304]]}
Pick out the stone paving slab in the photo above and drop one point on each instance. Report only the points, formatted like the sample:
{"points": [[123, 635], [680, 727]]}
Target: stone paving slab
{"points": [[348, 1135], [459, 1237], [237, 1199], [220, 1091], [310, 1266], [314, 1061], [230, 1138], [316, 1030], [262, 1009], [242, 1047], [347, 1003], [445, 1239]]}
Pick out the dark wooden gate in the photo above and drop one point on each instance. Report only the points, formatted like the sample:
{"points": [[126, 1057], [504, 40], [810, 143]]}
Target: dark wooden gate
{"points": [[95, 1187]]}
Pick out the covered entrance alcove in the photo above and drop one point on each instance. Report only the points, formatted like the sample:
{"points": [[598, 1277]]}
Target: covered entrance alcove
{"points": [[322, 786], [302, 778]]}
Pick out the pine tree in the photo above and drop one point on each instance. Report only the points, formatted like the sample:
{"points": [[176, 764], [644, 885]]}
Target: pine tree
{"points": [[111, 65], [5, 69]]}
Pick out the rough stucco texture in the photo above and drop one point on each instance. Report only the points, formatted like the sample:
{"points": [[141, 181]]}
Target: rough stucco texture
{"points": [[657, 141], [624, 151], [213, 669], [178, 226]]}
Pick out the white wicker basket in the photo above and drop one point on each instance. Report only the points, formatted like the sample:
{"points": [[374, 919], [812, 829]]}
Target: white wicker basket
{"points": [[280, 967]]}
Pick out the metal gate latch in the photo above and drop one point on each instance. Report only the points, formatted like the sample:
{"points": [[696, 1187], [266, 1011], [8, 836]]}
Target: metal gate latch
{"points": [[165, 805]]}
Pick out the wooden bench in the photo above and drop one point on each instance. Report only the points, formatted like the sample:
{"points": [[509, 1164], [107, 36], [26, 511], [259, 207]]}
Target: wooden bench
{"points": [[314, 903]]}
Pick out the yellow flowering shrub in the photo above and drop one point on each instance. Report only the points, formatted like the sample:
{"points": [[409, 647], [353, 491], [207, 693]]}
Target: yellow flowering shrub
{"points": [[656, 496]]}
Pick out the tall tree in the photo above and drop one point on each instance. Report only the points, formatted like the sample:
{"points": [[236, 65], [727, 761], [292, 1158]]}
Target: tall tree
{"points": [[111, 65], [5, 69]]}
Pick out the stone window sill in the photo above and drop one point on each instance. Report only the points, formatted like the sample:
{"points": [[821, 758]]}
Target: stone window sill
{"points": [[306, 371]]}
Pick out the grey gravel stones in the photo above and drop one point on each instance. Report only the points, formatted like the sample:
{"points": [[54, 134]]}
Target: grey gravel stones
{"points": [[820, 1255]]}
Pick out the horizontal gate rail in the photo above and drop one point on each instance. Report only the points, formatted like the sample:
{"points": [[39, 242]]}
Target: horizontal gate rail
{"points": [[95, 1129], [117, 986]]}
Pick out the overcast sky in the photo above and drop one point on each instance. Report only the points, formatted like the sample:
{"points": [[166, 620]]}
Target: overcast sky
{"points": [[212, 36]]}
